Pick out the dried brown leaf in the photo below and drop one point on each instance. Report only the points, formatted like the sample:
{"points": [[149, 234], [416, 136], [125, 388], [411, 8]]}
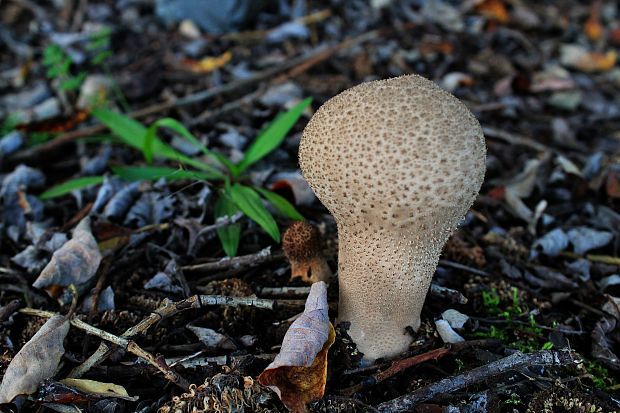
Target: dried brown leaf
{"points": [[299, 371], [76, 262], [36, 361], [98, 388], [521, 187], [494, 10], [612, 185]]}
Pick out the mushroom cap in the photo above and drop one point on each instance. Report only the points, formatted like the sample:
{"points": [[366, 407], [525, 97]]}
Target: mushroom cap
{"points": [[301, 241], [390, 152]]}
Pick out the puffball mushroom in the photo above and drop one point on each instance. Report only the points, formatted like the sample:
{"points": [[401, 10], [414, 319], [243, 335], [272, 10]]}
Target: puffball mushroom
{"points": [[302, 246], [398, 163]]}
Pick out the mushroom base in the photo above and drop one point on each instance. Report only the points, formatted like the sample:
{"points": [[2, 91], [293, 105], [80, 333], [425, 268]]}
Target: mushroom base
{"points": [[383, 282]]}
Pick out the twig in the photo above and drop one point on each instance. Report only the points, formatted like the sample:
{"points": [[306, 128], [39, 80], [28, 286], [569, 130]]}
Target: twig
{"points": [[167, 309], [514, 139], [365, 407], [524, 323], [234, 105], [219, 223], [449, 385], [7, 310], [259, 35], [193, 361], [605, 259], [128, 345], [235, 263], [463, 267], [588, 307], [401, 365], [436, 290], [285, 291]]}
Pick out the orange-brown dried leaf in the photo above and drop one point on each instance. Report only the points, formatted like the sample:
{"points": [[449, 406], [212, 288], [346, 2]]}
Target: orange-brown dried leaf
{"points": [[56, 125], [592, 27], [612, 185], [429, 46], [614, 37], [298, 386], [494, 10], [497, 193], [299, 372], [597, 62], [208, 64], [110, 237]]}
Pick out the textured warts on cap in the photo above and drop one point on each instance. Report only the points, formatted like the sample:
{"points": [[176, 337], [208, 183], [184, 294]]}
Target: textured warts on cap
{"points": [[302, 246], [398, 163]]}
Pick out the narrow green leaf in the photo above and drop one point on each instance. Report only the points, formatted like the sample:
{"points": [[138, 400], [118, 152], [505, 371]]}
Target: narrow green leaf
{"points": [[281, 204], [270, 138], [251, 204], [149, 137], [131, 132], [134, 134], [229, 235], [179, 128], [72, 185], [153, 173]]}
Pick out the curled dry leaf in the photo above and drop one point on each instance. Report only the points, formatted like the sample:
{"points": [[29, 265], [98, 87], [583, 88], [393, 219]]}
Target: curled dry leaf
{"points": [[99, 388], [521, 187], [76, 262], [36, 361], [299, 371]]}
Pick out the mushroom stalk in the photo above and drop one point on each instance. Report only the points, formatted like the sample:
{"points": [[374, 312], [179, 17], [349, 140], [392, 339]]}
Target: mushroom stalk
{"points": [[403, 262]]}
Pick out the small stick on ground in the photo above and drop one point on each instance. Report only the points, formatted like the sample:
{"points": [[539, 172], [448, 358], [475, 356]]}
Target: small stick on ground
{"points": [[605, 259], [436, 290], [456, 265], [167, 309], [401, 365], [219, 223], [128, 345], [449, 385], [514, 139], [285, 291], [235, 263], [7, 310]]}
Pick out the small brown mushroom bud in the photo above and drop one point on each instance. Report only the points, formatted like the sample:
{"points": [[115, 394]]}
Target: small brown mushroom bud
{"points": [[302, 246], [398, 163]]}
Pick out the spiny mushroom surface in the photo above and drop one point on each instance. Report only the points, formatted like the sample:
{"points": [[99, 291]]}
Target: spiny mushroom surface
{"points": [[398, 163], [302, 246]]}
